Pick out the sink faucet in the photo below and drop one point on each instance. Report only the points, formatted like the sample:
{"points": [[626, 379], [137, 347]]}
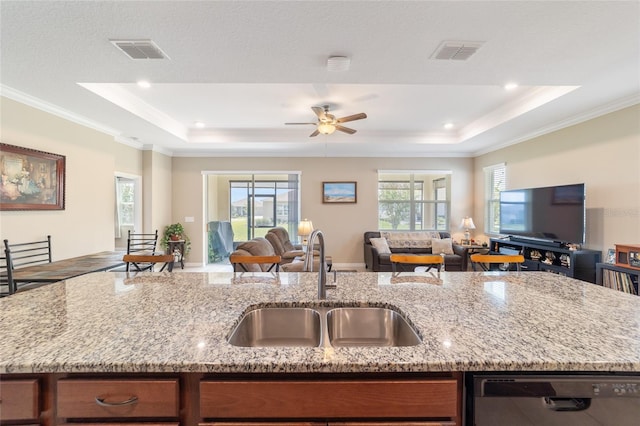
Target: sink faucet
{"points": [[308, 262]]}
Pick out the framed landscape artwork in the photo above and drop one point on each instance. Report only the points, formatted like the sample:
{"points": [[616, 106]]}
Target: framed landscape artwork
{"points": [[31, 179], [339, 192]]}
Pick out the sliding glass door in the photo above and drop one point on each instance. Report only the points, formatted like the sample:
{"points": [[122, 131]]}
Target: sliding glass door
{"points": [[255, 202]]}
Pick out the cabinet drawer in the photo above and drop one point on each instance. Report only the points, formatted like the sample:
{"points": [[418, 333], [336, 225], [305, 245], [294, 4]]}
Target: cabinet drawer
{"points": [[19, 400], [118, 398], [329, 399], [121, 424]]}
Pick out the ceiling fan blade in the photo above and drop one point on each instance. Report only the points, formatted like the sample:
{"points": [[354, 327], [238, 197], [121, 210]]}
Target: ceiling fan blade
{"points": [[352, 117], [300, 123], [319, 112], [315, 133], [345, 129]]}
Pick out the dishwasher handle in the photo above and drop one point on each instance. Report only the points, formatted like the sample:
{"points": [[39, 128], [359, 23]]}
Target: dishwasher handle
{"points": [[566, 404]]}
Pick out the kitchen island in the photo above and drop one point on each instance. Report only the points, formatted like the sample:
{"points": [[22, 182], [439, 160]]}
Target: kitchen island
{"points": [[174, 327]]}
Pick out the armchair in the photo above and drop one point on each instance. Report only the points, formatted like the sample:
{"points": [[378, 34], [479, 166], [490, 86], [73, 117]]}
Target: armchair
{"points": [[258, 248], [282, 245]]}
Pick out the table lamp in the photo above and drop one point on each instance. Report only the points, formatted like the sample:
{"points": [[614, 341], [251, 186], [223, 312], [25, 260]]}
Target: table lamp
{"points": [[467, 224], [305, 228]]}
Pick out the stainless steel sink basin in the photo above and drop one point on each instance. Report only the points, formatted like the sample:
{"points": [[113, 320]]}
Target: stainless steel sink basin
{"points": [[278, 327], [323, 326], [369, 327]]}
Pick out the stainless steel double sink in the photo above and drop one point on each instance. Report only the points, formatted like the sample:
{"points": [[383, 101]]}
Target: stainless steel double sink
{"points": [[323, 326]]}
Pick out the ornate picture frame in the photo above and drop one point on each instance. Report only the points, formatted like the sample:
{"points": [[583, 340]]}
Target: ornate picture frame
{"points": [[339, 192], [31, 179]]}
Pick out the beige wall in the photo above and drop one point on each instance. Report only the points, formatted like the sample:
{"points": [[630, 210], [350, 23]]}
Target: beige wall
{"points": [[87, 223], [157, 184], [603, 153], [342, 224]]}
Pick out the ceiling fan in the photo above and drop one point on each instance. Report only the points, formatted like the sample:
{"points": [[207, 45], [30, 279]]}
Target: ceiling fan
{"points": [[328, 123]]}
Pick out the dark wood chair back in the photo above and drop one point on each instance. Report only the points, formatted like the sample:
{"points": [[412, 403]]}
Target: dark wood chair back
{"points": [[27, 254], [142, 244], [7, 286], [141, 262]]}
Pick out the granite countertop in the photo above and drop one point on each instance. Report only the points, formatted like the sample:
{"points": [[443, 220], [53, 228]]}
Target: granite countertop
{"points": [[179, 322]]}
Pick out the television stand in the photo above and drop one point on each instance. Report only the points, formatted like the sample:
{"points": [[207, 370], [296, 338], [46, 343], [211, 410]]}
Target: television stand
{"points": [[540, 256], [537, 241]]}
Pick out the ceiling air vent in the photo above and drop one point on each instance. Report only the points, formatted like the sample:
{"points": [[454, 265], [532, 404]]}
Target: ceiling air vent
{"points": [[140, 49], [456, 50]]}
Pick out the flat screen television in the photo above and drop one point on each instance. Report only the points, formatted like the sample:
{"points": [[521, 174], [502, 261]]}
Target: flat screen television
{"points": [[554, 213]]}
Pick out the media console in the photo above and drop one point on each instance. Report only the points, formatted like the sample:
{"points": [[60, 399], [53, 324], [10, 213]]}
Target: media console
{"points": [[540, 256]]}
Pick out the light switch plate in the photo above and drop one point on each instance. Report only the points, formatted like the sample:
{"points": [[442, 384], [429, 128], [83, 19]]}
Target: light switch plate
{"points": [[188, 218]]}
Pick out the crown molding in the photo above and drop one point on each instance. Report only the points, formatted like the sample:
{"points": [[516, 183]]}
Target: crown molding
{"points": [[45, 106], [599, 111]]}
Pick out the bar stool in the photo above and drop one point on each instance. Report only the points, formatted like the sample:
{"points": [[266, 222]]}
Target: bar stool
{"points": [[428, 260]]}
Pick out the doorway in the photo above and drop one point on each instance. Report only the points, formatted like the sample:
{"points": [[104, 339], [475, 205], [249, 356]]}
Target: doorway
{"points": [[128, 208], [249, 204]]}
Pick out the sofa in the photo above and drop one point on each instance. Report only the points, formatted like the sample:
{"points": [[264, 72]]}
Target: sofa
{"points": [[419, 242]]}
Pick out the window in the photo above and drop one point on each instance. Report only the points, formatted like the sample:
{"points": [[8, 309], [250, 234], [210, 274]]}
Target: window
{"points": [[495, 181], [413, 201], [258, 205]]}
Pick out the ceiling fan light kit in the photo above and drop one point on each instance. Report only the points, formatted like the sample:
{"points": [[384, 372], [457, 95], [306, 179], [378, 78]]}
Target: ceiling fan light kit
{"points": [[326, 128], [328, 123]]}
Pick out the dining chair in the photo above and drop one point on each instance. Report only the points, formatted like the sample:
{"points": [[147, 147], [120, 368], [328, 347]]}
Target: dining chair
{"points": [[428, 260], [141, 262], [6, 276], [483, 262], [142, 244], [31, 253]]}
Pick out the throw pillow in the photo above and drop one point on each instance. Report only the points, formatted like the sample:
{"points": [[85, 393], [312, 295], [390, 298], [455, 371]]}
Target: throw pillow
{"points": [[397, 239], [381, 245], [441, 246]]}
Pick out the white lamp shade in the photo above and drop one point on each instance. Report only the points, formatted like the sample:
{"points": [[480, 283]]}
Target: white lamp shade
{"points": [[326, 128], [305, 227], [467, 223]]}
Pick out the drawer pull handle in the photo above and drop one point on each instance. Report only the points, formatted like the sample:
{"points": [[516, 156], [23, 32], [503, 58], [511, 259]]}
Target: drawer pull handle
{"points": [[100, 401]]}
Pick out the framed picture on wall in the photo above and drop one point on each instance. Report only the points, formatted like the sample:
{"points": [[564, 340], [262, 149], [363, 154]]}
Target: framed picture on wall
{"points": [[339, 192], [31, 179]]}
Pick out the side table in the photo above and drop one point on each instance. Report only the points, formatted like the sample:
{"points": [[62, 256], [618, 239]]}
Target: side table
{"points": [[176, 247]]}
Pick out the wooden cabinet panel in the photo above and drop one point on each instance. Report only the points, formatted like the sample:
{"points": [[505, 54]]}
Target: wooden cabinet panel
{"points": [[118, 398], [392, 424], [249, 423], [329, 399], [19, 400], [121, 424]]}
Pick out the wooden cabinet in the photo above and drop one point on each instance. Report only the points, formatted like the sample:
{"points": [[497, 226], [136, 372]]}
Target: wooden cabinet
{"points": [[19, 400], [415, 399], [189, 399], [118, 398], [579, 264]]}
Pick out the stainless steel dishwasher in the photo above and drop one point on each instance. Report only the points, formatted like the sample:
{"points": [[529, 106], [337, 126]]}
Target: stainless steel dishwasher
{"points": [[554, 400]]}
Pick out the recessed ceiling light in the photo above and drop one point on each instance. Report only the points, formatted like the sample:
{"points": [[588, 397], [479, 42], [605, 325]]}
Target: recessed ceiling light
{"points": [[448, 126], [144, 84], [510, 86], [199, 124]]}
